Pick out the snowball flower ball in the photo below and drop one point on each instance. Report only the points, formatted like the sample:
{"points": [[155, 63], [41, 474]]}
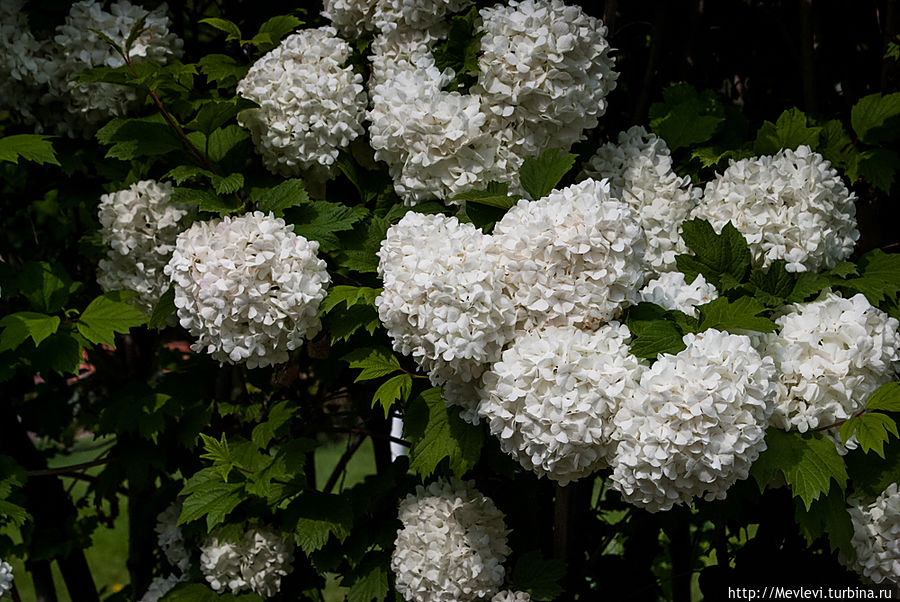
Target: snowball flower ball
{"points": [[551, 398], [78, 47], [574, 256], [256, 563], [24, 69], [139, 225], [544, 72], [443, 300], [830, 354], [671, 291], [161, 586], [452, 545], [170, 538], [508, 595], [248, 288], [6, 577], [792, 206], [876, 536], [640, 173], [310, 104], [696, 423]]}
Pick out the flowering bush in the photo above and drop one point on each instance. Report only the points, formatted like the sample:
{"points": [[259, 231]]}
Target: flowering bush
{"points": [[442, 300]]}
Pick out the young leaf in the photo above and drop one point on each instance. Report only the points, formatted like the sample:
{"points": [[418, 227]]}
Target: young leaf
{"points": [[290, 193], [438, 433], [872, 429], [739, 315], [540, 176], [374, 362], [136, 30], [31, 147], [315, 516], [876, 118], [885, 398], [790, 131], [222, 69], [210, 496], [233, 31], [716, 256], [685, 116], [219, 454], [539, 576], [396, 388], [350, 296], [107, 315], [19, 326]]}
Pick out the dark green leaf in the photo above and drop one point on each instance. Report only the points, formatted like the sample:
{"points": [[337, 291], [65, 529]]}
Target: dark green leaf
{"points": [[871, 475], [369, 580], [879, 276], [197, 592], [459, 50], [495, 195], [375, 362], [876, 118], [539, 576], [393, 389], [31, 147], [163, 310], [182, 173], [19, 326], [222, 69], [233, 31], [223, 140], [46, 287], [135, 138], [885, 398], [835, 143], [872, 429], [210, 496], [136, 30], [685, 116], [711, 156], [540, 176], [438, 433], [716, 256], [807, 285], [790, 131], [290, 193], [316, 516], [653, 337], [227, 184], [342, 322], [206, 200], [350, 296], [276, 28], [320, 220], [61, 353], [279, 415], [738, 316], [105, 316], [877, 165], [827, 515], [772, 286], [214, 114]]}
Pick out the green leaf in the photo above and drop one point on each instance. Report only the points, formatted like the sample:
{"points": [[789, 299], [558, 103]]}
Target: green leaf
{"points": [[290, 193], [19, 326], [222, 69], [31, 147], [369, 580], [277, 27], [540, 176], [233, 31], [375, 362], [872, 431], [350, 296], [685, 116], [107, 315], [885, 398], [319, 220], [876, 118], [136, 30], [809, 462], [163, 310], [393, 389], [135, 138], [835, 143], [206, 200], [182, 173], [197, 592], [653, 337], [879, 276], [438, 433], [316, 516], [539, 576], [737, 316], [214, 114], [342, 322], [223, 141], [219, 453], [711, 156], [827, 515], [495, 195], [870, 475], [210, 496], [227, 184], [790, 131], [772, 286], [716, 256], [877, 165], [279, 415], [807, 285], [46, 287], [60, 353], [459, 50]]}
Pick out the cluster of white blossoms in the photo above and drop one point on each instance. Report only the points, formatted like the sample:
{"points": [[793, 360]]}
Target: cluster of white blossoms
{"points": [[876, 536], [139, 225], [672, 291], [354, 17], [310, 104], [256, 563], [640, 173], [792, 205], [452, 544], [161, 586], [23, 63], [248, 288], [695, 424], [170, 538], [830, 354], [551, 399], [6, 577]]}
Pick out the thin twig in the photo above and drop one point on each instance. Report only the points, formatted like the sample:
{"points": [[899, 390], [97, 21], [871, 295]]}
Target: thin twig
{"points": [[62, 470], [342, 465]]}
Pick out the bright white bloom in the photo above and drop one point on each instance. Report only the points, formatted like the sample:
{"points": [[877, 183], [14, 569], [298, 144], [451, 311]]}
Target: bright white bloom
{"points": [[639, 169], [792, 206], [452, 545], [876, 537], [443, 300], [551, 398], [256, 563], [696, 424], [574, 256], [508, 595], [6, 577], [671, 291], [139, 225], [350, 17], [830, 354], [247, 287], [170, 538], [78, 47], [545, 71], [161, 586], [390, 15], [310, 104]]}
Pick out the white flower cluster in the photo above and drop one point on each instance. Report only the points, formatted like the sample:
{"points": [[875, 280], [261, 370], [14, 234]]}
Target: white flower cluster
{"points": [[640, 173], [6, 577], [256, 563], [310, 104], [574, 256], [551, 398], [830, 354], [508, 595], [139, 225], [161, 586], [544, 73], [78, 46], [354, 17], [170, 538], [696, 423], [792, 205], [452, 545], [23, 64], [248, 288], [671, 291], [876, 536]]}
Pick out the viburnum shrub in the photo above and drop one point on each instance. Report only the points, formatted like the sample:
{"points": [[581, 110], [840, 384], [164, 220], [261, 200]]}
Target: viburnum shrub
{"points": [[604, 336]]}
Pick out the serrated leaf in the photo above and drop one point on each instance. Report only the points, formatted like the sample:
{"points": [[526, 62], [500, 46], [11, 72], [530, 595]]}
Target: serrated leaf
{"points": [[396, 388], [538, 576], [197, 592], [31, 147], [789, 131], [136, 30], [827, 515], [772, 286], [320, 220], [876, 118], [809, 462], [540, 176], [60, 352], [105, 316], [879, 276], [227, 184], [835, 143], [653, 337], [46, 287], [279, 415], [369, 580], [872, 429], [871, 475], [736, 316], [21, 325], [222, 69], [375, 362], [206, 200], [459, 50], [438, 432], [807, 285], [163, 310], [496, 194], [233, 31], [290, 193], [210, 496], [182, 173], [223, 140], [885, 398], [316, 516], [711, 156], [276, 28], [343, 322], [716, 256], [135, 138], [877, 165], [15, 514], [214, 114], [685, 116], [350, 296]]}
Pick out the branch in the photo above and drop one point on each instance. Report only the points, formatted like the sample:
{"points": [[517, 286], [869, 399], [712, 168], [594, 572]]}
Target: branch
{"points": [[64, 470], [342, 465]]}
